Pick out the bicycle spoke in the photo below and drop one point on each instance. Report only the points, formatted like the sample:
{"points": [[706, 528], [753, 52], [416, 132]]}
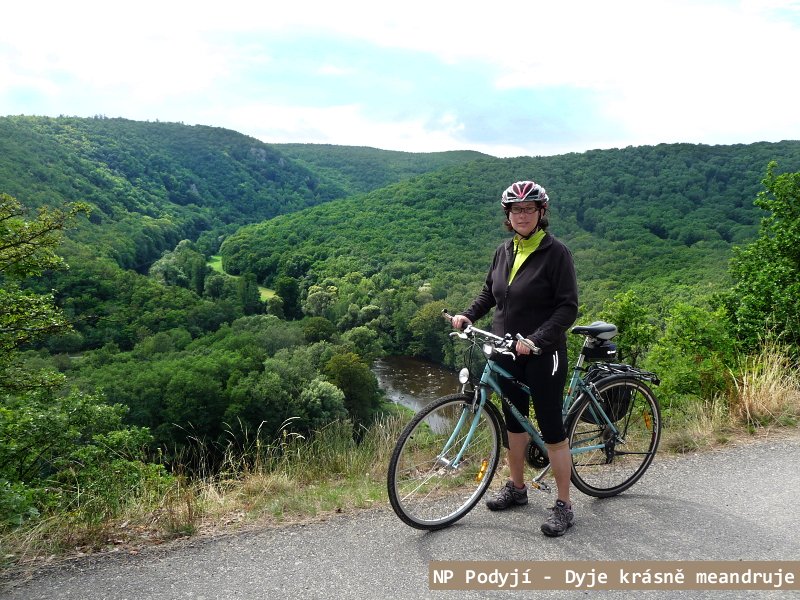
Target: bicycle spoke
{"points": [[447, 455], [621, 458], [426, 490]]}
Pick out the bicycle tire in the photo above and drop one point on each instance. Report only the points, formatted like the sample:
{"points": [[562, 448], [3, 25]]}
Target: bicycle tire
{"points": [[624, 457], [424, 491]]}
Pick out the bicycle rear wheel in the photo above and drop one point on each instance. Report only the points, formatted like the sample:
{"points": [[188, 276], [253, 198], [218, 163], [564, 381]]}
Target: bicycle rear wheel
{"points": [[429, 486], [604, 463]]}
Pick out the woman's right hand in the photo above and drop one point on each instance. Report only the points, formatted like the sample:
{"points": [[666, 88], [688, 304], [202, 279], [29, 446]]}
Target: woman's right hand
{"points": [[460, 322]]}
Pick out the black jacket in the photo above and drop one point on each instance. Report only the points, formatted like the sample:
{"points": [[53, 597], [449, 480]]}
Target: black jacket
{"points": [[541, 302]]}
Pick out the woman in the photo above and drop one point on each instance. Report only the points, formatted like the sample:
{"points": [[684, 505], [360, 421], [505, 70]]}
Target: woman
{"points": [[532, 287]]}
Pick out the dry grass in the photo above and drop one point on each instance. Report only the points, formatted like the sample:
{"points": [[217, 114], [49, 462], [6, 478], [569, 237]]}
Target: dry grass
{"points": [[337, 470], [704, 425], [767, 390], [292, 479], [766, 395]]}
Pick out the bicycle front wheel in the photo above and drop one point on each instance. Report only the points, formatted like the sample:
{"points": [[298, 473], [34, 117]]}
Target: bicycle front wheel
{"points": [[605, 463], [443, 462]]}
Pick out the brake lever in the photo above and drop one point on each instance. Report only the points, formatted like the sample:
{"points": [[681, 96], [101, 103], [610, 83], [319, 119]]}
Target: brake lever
{"points": [[508, 353]]}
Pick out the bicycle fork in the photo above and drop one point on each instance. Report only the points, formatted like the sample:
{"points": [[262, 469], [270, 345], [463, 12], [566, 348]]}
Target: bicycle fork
{"points": [[441, 459]]}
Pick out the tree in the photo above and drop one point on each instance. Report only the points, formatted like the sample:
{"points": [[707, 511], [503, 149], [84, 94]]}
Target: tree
{"points": [[351, 375], [317, 329], [323, 403], [319, 299], [55, 450], [184, 266], [289, 291], [214, 286], [363, 341], [194, 402], [249, 295], [26, 250], [636, 333], [767, 271], [69, 452], [429, 332], [693, 357]]}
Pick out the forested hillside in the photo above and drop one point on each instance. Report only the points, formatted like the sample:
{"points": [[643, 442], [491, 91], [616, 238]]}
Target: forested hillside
{"points": [[359, 169], [141, 361], [151, 185], [659, 219]]}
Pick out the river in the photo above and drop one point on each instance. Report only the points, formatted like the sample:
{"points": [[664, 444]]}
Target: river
{"points": [[413, 382]]}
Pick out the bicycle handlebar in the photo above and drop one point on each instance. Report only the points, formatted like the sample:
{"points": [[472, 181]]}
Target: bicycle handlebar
{"points": [[503, 343]]}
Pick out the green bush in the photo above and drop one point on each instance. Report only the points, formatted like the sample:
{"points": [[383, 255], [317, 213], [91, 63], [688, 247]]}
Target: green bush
{"points": [[693, 358], [71, 453]]}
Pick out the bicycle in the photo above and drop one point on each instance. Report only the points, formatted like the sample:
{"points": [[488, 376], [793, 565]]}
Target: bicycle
{"points": [[447, 455]]}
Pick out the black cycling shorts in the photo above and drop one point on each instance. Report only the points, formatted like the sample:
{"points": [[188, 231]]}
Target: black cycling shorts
{"points": [[545, 375]]}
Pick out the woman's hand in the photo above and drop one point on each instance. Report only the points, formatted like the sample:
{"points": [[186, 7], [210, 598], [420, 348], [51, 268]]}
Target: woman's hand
{"points": [[460, 322], [526, 346], [522, 348]]}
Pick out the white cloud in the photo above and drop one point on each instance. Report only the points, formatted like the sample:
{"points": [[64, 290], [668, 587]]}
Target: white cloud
{"points": [[715, 71], [335, 71], [346, 125]]}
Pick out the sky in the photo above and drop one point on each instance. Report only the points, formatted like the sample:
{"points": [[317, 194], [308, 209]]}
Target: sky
{"points": [[507, 78]]}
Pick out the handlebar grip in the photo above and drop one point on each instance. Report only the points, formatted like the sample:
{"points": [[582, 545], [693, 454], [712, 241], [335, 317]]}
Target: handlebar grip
{"points": [[450, 318], [533, 347]]}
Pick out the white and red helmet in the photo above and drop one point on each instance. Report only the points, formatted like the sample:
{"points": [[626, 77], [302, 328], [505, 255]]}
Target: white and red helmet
{"points": [[524, 191]]}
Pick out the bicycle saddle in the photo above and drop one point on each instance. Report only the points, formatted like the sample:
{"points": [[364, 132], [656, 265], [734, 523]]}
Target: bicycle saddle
{"points": [[599, 330]]}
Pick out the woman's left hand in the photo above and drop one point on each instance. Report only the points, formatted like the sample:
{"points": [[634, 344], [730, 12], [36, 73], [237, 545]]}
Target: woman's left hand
{"points": [[521, 348]]}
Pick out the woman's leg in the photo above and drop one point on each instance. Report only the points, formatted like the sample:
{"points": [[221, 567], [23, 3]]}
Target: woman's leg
{"points": [[546, 379], [517, 444], [546, 376], [561, 463], [517, 436]]}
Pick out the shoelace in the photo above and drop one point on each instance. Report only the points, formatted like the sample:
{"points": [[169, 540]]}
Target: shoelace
{"points": [[559, 515], [507, 494]]}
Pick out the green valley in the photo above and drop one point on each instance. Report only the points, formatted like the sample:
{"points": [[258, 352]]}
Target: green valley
{"points": [[221, 302]]}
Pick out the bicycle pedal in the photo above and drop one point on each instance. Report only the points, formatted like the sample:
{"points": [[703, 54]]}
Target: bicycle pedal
{"points": [[542, 487]]}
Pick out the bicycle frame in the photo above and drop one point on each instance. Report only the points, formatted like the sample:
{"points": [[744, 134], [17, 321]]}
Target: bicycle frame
{"points": [[489, 381], [446, 457]]}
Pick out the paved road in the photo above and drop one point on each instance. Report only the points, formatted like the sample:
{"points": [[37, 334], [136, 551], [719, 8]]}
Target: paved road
{"points": [[739, 503]]}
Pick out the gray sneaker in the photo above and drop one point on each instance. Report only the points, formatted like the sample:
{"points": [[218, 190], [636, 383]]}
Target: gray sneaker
{"points": [[559, 521], [508, 496]]}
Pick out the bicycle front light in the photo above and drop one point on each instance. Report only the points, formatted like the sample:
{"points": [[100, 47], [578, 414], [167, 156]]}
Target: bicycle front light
{"points": [[463, 376], [488, 349]]}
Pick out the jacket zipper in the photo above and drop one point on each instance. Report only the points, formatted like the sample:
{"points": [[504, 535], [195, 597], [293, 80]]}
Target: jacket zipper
{"points": [[510, 266]]}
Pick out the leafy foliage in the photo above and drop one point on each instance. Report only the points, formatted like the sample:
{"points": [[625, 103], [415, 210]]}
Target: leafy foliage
{"points": [[363, 249], [69, 453], [767, 271], [360, 170], [55, 450], [26, 249], [693, 356], [637, 332], [353, 376]]}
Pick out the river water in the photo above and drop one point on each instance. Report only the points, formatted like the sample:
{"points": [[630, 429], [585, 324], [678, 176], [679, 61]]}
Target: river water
{"points": [[413, 382]]}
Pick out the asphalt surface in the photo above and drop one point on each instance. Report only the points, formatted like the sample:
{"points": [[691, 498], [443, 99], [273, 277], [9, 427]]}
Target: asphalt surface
{"points": [[737, 503]]}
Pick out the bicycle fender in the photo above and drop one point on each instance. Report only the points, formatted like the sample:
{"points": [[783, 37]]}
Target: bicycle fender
{"points": [[616, 377]]}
